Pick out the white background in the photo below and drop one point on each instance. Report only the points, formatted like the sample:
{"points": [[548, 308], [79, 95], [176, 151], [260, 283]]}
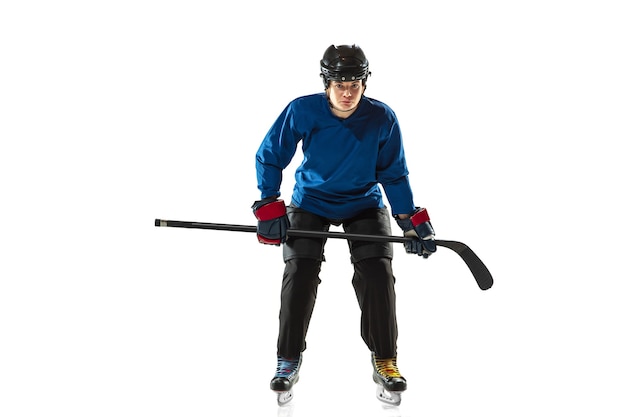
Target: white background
{"points": [[116, 113]]}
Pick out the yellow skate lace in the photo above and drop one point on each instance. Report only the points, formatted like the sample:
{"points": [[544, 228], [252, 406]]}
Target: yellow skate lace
{"points": [[387, 368]]}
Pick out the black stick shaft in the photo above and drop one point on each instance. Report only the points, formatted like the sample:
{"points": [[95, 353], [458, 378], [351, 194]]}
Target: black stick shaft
{"points": [[290, 232]]}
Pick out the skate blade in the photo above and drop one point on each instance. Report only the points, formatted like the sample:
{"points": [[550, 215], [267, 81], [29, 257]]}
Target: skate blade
{"points": [[388, 397], [284, 397]]}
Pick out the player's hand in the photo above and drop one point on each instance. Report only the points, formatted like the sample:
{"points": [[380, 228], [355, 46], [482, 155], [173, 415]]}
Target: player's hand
{"points": [[273, 223], [418, 227]]}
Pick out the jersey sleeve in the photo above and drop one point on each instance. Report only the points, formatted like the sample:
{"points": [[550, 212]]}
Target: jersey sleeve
{"points": [[275, 153], [392, 172]]}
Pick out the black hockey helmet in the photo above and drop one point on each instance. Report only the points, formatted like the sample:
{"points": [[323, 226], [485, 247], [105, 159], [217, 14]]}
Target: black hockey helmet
{"points": [[344, 63]]}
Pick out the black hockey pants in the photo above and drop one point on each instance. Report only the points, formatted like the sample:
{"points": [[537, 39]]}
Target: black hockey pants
{"points": [[373, 281]]}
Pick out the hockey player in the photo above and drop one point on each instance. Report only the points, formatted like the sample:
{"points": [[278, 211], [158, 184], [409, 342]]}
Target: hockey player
{"points": [[351, 144]]}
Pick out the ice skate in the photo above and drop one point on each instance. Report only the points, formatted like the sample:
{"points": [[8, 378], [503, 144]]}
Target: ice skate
{"points": [[287, 374], [390, 382]]}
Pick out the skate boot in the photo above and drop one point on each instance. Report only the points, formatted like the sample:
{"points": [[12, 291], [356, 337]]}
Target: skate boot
{"points": [[287, 374], [387, 377]]}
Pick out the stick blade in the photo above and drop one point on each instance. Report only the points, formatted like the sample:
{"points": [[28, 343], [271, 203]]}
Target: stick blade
{"points": [[476, 266]]}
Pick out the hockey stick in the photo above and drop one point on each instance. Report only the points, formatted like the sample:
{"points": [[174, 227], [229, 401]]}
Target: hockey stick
{"points": [[476, 266]]}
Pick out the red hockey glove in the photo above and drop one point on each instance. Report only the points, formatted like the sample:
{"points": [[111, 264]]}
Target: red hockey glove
{"points": [[418, 226], [273, 223]]}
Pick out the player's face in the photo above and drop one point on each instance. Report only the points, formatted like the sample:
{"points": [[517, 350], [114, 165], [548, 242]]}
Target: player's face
{"points": [[344, 96]]}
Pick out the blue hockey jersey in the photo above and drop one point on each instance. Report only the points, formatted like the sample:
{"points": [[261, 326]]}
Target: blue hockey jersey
{"points": [[344, 161]]}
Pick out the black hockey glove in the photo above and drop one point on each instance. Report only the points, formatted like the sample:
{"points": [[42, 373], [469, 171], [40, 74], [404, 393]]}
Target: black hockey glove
{"points": [[273, 223], [418, 227]]}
